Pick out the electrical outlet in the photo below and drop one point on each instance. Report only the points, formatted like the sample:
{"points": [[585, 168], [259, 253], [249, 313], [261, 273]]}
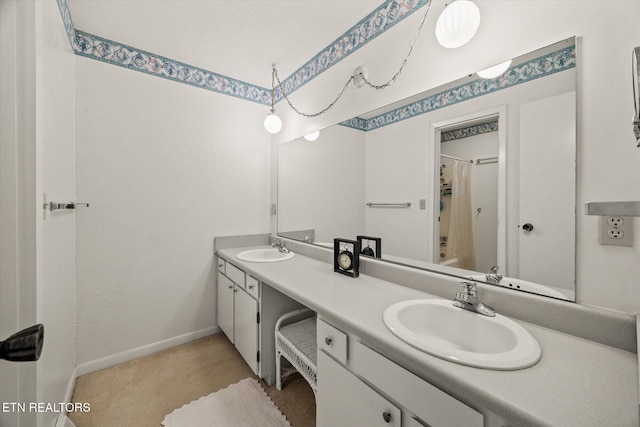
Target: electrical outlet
{"points": [[616, 231]]}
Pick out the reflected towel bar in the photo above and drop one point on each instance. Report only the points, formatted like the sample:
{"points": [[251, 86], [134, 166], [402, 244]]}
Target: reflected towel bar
{"points": [[389, 205], [486, 160], [613, 208]]}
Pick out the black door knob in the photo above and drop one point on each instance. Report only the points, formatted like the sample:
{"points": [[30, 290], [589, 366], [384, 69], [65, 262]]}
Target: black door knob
{"points": [[527, 227], [386, 416]]}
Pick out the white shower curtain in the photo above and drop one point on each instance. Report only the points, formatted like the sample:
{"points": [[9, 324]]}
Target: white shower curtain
{"points": [[461, 221]]}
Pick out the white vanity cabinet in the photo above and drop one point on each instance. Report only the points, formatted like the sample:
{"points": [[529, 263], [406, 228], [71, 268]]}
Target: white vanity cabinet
{"points": [[371, 390], [247, 313]]}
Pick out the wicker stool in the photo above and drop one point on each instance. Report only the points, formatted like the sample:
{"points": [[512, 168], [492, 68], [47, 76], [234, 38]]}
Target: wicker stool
{"points": [[296, 342]]}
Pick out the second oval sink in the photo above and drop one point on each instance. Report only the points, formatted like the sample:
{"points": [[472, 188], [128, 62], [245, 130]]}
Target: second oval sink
{"points": [[439, 328], [264, 255]]}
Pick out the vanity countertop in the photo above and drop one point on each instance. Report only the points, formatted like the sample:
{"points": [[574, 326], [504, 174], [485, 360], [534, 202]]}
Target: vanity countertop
{"points": [[576, 383]]}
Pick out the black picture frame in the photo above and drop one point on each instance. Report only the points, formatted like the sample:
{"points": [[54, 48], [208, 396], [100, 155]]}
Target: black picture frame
{"points": [[350, 248], [377, 252]]}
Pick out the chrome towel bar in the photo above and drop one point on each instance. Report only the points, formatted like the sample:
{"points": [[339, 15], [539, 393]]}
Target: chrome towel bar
{"points": [[389, 205]]}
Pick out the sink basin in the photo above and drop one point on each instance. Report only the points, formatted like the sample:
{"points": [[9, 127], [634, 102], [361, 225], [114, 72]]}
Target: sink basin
{"points": [[524, 285], [264, 255], [439, 328]]}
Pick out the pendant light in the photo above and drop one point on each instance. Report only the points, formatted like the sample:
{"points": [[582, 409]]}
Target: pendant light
{"points": [[273, 123], [458, 23]]}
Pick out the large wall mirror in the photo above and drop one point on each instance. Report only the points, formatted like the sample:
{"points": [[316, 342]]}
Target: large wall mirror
{"points": [[465, 177]]}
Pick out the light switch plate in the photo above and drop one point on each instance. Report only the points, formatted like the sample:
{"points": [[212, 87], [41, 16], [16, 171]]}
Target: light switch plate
{"points": [[616, 230]]}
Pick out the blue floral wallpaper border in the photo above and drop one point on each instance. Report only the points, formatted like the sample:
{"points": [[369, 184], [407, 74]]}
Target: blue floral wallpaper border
{"points": [[468, 131], [63, 6], [377, 22], [546, 65], [101, 49]]}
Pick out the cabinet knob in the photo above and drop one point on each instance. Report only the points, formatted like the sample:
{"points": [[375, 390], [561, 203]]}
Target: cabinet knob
{"points": [[527, 227], [230, 286], [235, 291], [328, 341], [250, 286], [386, 416]]}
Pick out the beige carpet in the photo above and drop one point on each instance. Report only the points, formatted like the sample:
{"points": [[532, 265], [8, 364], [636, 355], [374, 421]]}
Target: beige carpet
{"points": [[243, 404], [141, 392]]}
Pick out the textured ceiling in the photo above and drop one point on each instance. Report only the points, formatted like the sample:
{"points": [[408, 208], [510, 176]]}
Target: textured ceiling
{"points": [[239, 39]]}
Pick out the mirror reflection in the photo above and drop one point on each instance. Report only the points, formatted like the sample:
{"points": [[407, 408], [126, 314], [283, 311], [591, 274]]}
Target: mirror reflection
{"points": [[475, 178]]}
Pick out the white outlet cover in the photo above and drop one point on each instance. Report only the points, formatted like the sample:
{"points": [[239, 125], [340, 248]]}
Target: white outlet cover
{"points": [[615, 230]]}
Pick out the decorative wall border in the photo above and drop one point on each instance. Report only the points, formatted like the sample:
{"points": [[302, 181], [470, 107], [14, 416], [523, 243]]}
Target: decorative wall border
{"points": [[63, 6], [390, 13], [377, 22], [101, 49], [473, 130], [543, 66]]}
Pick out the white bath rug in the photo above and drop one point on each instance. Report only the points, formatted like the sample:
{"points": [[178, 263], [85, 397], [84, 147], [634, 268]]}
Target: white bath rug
{"points": [[243, 404]]}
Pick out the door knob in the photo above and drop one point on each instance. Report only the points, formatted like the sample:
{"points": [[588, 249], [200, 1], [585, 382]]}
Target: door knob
{"points": [[527, 227]]}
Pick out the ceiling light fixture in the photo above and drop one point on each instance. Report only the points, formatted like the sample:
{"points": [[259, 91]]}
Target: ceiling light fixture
{"points": [[358, 78], [495, 71], [458, 23]]}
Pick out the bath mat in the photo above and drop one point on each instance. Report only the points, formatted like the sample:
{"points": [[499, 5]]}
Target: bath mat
{"points": [[243, 404]]}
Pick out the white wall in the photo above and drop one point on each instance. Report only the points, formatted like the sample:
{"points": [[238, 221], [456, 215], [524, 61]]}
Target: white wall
{"points": [[166, 167], [322, 184], [607, 157]]}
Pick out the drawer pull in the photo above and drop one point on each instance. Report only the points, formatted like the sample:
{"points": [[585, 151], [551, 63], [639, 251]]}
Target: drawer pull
{"points": [[327, 341], [386, 416]]}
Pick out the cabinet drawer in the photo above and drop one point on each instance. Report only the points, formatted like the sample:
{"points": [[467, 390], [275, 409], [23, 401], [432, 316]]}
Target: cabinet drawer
{"points": [[221, 265], [253, 287], [235, 274], [427, 402], [333, 341]]}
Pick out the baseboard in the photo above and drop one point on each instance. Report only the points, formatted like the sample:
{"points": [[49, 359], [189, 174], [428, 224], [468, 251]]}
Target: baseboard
{"points": [[125, 356]]}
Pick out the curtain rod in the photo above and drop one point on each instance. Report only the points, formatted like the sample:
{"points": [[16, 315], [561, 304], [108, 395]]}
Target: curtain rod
{"points": [[456, 158]]}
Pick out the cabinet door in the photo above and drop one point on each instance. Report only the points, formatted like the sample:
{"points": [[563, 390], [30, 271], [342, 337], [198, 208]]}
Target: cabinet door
{"points": [[246, 327], [344, 400], [225, 305]]}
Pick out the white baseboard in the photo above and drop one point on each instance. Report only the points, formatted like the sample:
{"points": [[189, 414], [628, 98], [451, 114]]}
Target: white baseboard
{"points": [[125, 356]]}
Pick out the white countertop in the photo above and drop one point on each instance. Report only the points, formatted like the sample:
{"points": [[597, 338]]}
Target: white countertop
{"points": [[576, 383]]}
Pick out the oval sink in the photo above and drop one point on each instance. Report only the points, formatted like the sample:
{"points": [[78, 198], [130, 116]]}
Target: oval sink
{"points": [[439, 328], [264, 255]]}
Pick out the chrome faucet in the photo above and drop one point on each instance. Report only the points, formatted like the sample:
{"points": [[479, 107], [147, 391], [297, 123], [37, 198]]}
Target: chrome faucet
{"points": [[277, 243], [493, 277], [468, 300]]}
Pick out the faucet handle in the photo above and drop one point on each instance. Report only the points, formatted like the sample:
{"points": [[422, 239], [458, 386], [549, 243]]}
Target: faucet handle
{"points": [[494, 269], [469, 288]]}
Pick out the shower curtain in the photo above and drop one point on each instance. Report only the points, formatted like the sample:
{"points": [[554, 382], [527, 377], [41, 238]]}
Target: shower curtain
{"points": [[461, 221]]}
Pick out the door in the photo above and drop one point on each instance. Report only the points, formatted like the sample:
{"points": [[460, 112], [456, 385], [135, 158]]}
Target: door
{"points": [[225, 305], [547, 190], [246, 327]]}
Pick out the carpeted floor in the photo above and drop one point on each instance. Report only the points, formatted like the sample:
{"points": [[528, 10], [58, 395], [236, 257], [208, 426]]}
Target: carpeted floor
{"points": [[142, 391]]}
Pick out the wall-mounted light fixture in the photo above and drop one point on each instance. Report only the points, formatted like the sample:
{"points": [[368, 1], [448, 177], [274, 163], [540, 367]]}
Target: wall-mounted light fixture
{"points": [[495, 71], [312, 136], [458, 23]]}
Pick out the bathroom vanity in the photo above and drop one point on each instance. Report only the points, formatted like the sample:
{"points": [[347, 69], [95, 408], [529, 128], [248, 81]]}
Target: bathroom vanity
{"points": [[247, 313], [367, 376]]}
